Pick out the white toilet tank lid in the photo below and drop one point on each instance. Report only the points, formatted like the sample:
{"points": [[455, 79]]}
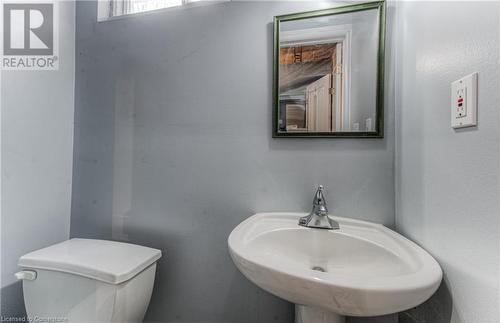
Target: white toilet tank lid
{"points": [[109, 261]]}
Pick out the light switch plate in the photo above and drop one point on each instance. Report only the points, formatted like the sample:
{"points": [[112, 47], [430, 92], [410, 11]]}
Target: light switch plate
{"points": [[464, 102]]}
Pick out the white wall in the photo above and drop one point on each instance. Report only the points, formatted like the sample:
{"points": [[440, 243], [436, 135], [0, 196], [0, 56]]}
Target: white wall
{"points": [[447, 181], [37, 153]]}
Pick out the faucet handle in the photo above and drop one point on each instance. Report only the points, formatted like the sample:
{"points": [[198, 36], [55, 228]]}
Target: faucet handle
{"points": [[319, 198]]}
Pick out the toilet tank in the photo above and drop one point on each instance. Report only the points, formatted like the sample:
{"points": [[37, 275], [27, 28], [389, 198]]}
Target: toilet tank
{"points": [[85, 280]]}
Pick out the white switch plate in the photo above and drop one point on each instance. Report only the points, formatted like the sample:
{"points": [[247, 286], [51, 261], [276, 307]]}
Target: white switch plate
{"points": [[464, 102]]}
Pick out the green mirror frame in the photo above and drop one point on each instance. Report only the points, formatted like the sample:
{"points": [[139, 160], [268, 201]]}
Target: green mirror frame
{"points": [[379, 130]]}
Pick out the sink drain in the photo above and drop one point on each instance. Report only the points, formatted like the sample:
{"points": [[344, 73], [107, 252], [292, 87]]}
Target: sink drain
{"points": [[318, 268]]}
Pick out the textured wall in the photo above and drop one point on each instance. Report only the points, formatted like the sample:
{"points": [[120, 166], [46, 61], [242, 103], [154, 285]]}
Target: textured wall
{"points": [[173, 149], [448, 180], [37, 152]]}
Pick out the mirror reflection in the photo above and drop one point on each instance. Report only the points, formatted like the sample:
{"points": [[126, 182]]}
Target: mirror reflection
{"points": [[327, 73]]}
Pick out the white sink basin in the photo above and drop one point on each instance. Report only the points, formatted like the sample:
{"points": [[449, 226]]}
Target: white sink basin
{"points": [[363, 269]]}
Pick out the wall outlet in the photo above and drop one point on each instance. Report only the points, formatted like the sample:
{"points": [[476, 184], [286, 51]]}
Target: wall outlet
{"points": [[464, 102]]}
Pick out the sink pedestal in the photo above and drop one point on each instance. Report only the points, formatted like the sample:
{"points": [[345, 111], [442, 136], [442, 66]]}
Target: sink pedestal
{"points": [[306, 314]]}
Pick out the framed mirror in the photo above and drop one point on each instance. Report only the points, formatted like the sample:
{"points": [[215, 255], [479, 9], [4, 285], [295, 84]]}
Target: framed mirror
{"points": [[329, 72]]}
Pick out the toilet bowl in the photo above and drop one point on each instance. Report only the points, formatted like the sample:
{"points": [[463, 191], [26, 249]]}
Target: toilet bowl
{"points": [[86, 280]]}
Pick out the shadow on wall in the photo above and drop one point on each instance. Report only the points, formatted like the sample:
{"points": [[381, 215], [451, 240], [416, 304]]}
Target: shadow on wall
{"points": [[391, 318], [12, 303], [437, 309]]}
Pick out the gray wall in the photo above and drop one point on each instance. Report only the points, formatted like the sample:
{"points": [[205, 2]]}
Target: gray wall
{"points": [[448, 181], [173, 149], [36, 160]]}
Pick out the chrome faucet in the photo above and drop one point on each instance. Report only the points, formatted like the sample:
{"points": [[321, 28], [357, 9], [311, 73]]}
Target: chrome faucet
{"points": [[318, 218]]}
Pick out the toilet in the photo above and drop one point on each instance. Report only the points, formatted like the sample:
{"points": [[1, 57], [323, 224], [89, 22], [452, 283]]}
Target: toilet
{"points": [[87, 280]]}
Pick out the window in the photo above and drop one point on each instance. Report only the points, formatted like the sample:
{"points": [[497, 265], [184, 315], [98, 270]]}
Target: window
{"points": [[114, 8]]}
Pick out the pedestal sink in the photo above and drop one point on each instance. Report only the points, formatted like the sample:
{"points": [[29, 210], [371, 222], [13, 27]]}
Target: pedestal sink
{"points": [[362, 269]]}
